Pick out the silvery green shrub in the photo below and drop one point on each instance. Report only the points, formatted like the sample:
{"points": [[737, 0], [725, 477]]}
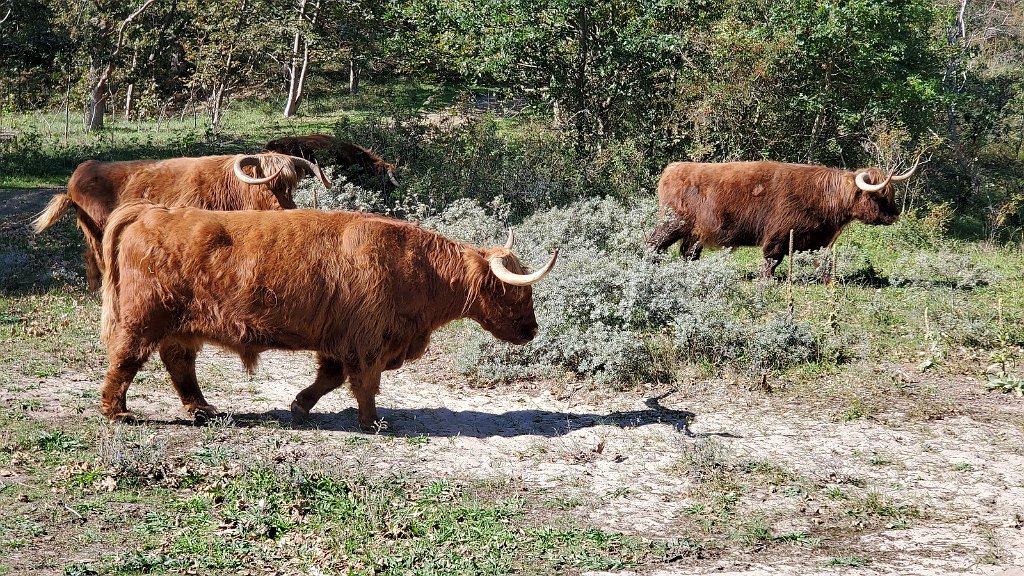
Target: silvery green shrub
{"points": [[610, 306], [780, 343], [947, 269], [852, 264]]}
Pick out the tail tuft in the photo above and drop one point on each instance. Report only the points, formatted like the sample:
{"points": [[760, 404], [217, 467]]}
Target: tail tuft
{"points": [[59, 204]]}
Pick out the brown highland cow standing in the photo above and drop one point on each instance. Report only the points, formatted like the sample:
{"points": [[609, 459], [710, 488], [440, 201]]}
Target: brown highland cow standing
{"points": [[362, 164]]}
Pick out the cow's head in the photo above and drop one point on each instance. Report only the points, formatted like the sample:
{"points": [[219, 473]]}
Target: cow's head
{"points": [[503, 303], [875, 198], [281, 173], [388, 181]]}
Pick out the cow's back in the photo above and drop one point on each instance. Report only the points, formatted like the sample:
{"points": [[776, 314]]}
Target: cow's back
{"points": [[209, 182], [740, 203], [95, 187]]}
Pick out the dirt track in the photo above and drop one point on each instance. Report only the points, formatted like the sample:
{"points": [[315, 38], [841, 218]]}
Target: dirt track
{"points": [[630, 458]]}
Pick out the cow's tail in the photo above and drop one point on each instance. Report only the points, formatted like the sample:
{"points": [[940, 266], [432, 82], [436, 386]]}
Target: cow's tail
{"points": [[59, 204], [120, 219]]}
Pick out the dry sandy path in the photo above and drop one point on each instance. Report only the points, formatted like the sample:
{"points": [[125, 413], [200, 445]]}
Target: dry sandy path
{"points": [[624, 457]]}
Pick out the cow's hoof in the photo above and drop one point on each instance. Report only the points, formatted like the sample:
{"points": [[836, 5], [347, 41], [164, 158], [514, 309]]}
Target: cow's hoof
{"points": [[204, 417], [203, 414], [123, 418], [299, 414]]}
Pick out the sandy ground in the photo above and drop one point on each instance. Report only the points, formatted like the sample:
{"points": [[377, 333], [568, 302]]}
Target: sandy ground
{"points": [[624, 455]]}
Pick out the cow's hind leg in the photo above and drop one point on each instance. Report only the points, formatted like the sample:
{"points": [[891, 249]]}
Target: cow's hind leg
{"points": [[126, 358], [365, 387], [329, 376], [180, 359]]}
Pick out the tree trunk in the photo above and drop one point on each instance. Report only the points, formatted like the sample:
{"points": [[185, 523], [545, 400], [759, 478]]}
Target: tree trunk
{"points": [[579, 96], [299, 65], [131, 89], [956, 38], [128, 102], [353, 76], [99, 74], [97, 97], [298, 78]]}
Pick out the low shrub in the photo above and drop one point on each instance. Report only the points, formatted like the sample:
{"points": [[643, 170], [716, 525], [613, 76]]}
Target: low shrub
{"points": [[780, 343], [947, 269]]}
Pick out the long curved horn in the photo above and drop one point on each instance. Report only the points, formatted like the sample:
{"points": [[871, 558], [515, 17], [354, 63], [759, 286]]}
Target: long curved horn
{"points": [[391, 176], [499, 270], [511, 240], [243, 161], [863, 185], [910, 172], [313, 169]]}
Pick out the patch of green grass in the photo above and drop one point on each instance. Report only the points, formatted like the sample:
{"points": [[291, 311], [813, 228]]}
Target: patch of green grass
{"points": [[772, 473], [388, 527], [58, 442], [418, 440], [874, 506], [214, 455], [847, 562]]}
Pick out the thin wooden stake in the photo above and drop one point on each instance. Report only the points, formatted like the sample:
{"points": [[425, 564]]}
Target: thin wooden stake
{"points": [[789, 295]]}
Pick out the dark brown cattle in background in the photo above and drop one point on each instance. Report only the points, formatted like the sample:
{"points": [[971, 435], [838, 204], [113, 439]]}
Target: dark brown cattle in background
{"points": [[362, 163], [214, 182], [363, 291], [758, 203]]}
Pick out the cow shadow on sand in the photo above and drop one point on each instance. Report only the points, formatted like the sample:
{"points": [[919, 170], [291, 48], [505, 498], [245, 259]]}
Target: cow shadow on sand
{"points": [[446, 423]]}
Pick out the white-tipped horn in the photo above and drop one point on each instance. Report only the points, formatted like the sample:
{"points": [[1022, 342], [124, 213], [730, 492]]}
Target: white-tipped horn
{"points": [[863, 185], [910, 172], [243, 161], [499, 270], [313, 169], [511, 240], [391, 176]]}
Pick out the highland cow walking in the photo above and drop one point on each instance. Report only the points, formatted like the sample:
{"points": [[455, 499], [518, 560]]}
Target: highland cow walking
{"points": [[758, 203], [363, 291]]}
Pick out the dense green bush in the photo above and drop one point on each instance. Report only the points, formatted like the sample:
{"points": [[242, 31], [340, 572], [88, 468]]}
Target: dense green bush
{"points": [[530, 166]]}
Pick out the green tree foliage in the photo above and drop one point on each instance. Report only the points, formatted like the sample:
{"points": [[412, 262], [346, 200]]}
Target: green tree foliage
{"points": [[803, 80], [30, 41], [839, 82]]}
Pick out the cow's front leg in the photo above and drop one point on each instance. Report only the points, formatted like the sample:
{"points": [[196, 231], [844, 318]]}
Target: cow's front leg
{"points": [[329, 375], [695, 249], [180, 359], [365, 387]]}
